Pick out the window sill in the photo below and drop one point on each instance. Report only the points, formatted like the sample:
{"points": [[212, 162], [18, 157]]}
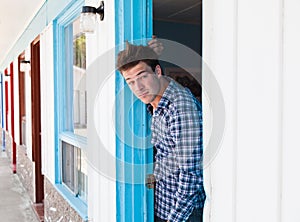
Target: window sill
{"points": [[79, 206]]}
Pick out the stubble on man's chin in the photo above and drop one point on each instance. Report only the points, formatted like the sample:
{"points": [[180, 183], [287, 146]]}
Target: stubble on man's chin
{"points": [[152, 100]]}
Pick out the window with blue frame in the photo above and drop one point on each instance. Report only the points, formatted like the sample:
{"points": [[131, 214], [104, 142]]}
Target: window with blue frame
{"points": [[71, 104]]}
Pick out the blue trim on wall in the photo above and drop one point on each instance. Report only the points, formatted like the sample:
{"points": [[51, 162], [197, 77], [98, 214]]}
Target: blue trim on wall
{"points": [[59, 79], [133, 21], [64, 18], [56, 103]]}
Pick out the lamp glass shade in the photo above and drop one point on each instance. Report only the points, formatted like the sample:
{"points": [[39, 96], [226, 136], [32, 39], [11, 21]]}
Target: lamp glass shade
{"points": [[88, 22], [24, 66]]}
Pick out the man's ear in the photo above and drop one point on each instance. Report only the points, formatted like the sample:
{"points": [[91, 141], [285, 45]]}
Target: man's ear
{"points": [[158, 70]]}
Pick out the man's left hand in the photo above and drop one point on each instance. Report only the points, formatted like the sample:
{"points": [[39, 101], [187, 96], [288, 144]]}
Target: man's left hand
{"points": [[156, 45]]}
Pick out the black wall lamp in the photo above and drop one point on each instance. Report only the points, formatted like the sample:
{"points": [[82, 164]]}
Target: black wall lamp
{"points": [[24, 65], [88, 17]]}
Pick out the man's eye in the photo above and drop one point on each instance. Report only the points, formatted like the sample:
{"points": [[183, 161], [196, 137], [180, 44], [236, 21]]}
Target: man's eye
{"points": [[144, 76], [130, 83]]}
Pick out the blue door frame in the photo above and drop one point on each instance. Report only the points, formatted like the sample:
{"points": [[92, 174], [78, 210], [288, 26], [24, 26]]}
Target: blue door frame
{"points": [[134, 154]]}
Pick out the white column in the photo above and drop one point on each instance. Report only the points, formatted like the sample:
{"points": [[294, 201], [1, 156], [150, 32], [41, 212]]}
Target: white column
{"points": [[259, 110], [16, 103], [101, 133], [291, 113], [47, 103], [28, 106], [243, 45], [219, 53]]}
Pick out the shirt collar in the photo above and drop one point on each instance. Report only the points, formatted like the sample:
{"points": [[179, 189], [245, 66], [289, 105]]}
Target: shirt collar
{"points": [[166, 98]]}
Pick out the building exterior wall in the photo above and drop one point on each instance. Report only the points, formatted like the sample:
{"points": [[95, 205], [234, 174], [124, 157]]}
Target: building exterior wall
{"points": [[291, 109], [8, 101], [255, 61], [56, 205], [16, 103], [259, 76], [47, 103], [101, 129], [25, 171], [253, 58], [25, 165], [28, 126], [56, 208]]}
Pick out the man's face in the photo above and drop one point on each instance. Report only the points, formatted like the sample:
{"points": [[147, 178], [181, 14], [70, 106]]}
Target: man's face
{"points": [[143, 82]]}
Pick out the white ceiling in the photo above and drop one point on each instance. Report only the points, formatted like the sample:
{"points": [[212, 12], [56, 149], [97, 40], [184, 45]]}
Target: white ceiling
{"points": [[185, 11], [15, 15]]}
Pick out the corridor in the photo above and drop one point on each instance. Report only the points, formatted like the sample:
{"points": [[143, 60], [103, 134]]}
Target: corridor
{"points": [[15, 204]]}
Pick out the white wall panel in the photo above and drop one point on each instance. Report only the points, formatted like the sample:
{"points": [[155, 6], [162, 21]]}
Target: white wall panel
{"points": [[5, 101], [47, 103], [259, 110], [291, 117], [219, 53], [28, 107], [101, 133], [243, 45], [7, 78], [16, 103]]}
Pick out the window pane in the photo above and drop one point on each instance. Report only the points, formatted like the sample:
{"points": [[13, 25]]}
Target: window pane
{"points": [[68, 165], [79, 80], [82, 175]]}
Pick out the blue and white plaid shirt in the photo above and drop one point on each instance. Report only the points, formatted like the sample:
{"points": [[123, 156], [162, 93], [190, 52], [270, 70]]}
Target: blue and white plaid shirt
{"points": [[177, 136]]}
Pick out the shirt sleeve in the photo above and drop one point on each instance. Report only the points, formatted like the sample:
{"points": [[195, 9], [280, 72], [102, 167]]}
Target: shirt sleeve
{"points": [[186, 130]]}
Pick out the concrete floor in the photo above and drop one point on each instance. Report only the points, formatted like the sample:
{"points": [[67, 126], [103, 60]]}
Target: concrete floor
{"points": [[15, 205]]}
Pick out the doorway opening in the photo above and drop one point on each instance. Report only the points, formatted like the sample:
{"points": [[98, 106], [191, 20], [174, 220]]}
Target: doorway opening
{"points": [[181, 22]]}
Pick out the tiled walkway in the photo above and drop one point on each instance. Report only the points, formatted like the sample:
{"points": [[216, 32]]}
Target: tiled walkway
{"points": [[15, 204]]}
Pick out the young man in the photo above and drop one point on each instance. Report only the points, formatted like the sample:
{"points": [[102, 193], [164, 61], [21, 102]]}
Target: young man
{"points": [[176, 134]]}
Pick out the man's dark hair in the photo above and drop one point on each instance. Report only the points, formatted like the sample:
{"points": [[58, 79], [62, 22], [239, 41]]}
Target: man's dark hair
{"points": [[133, 54]]}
